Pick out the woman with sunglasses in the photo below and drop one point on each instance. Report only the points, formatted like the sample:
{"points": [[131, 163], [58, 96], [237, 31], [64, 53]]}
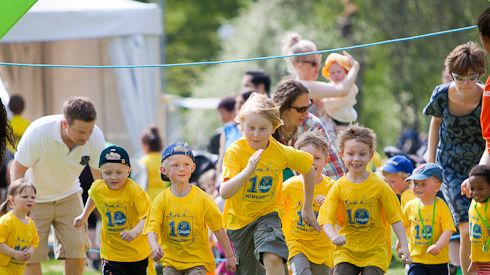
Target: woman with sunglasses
{"points": [[293, 99], [455, 137], [306, 68]]}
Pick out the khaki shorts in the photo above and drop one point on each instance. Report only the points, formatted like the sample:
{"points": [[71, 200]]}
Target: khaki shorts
{"points": [[197, 270], [263, 235], [300, 265], [70, 242]]}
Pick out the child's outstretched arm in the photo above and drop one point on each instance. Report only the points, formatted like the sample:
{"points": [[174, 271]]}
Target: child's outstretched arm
{"points": [[225, 243], [444, 239], [321, 89], [402, 241], [338, 240], [82, 219], [131, 234], [22, 256], [156, 249], [231, 186], [307, 211]]}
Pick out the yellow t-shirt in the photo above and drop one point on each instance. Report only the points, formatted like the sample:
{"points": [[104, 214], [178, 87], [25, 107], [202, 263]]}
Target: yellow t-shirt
{"points": [[302, 238], [259, 196], [478, 231], [19, 125], [121, 210], [406, 196], [419, 241], [155, 183], [365, 207], [182, 225], [19, 236]]}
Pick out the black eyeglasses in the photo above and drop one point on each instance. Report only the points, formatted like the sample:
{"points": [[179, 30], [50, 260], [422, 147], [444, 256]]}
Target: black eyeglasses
{"points": [[301, 109]]}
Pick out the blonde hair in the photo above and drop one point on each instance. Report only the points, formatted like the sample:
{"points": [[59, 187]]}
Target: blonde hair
{"points": [[292, 43], [398, 174], [260, 105], [313, 138], [358, 133], [16, 188]]}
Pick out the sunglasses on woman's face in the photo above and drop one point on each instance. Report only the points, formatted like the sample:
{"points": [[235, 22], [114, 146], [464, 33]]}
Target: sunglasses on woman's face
{"points": [[313, 63], [301, 109], [471, 77]]}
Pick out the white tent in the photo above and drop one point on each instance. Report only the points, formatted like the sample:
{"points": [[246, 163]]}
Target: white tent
{"points": [[89, 32]]}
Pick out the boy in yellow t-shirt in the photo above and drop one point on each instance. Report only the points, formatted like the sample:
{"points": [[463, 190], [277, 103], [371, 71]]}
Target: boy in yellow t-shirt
{"points": [[123, 206], [310, 251], [395, 171], [479, 217], [180, 217], [429, 222], [251, 187], [366, 203]]}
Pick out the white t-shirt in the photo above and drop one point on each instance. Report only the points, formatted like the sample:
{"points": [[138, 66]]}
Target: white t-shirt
{"points": [[53, 168]]}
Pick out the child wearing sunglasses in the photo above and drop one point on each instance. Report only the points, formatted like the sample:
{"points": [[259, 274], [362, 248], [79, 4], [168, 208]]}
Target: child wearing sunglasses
{"points": [[341, 109], [455, 136]]}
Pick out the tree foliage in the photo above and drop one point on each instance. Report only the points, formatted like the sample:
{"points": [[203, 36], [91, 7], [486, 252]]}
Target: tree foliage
{"points": [[191, 35], [395, 81]]}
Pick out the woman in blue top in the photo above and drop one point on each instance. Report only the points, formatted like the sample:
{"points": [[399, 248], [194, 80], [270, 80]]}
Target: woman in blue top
{"points": [[455, 140]]}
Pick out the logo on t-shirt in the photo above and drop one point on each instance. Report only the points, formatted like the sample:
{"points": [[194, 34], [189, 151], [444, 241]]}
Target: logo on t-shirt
{"points": [[476, 231], [361, 216]]}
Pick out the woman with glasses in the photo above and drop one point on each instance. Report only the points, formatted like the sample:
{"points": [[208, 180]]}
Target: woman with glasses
{"points": [[293, 99], [306, 68], [455, 137]]}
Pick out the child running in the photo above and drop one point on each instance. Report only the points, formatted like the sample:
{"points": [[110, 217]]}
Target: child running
{"points": [[429, 222], [304, 242], [367, 204], [180, 217], [252, 178], [18, 235], [395, 171], [479, 219], [123, 205]]}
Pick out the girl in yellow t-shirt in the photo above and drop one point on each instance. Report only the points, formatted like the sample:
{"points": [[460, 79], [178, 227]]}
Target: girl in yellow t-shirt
{"points": [[365, 202], [309, 249], [252, 178], [123, 205], [152, 147], [18, 235], [479, 218]]}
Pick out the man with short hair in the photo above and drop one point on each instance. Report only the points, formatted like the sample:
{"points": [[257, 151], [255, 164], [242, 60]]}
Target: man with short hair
{"points": [[53, 151], [258, 80]]}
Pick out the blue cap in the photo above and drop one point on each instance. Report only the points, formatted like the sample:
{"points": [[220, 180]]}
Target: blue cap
{"points": [[397, 164], [114, 154], [178, 148], [426, 171]]}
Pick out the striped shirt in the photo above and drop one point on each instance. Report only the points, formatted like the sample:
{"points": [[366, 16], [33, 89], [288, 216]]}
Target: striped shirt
{"points": [[334, 168]]}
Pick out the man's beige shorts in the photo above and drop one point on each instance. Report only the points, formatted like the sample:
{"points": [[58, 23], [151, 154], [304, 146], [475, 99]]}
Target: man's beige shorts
{"points": [[70, 242]]}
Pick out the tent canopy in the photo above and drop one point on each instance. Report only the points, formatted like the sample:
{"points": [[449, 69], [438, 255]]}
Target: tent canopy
{"points": [[89, 32], [51, 20]]}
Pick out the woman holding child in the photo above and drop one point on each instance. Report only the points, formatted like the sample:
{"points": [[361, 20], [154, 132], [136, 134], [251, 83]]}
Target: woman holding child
{"points": [[305, 68]]}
